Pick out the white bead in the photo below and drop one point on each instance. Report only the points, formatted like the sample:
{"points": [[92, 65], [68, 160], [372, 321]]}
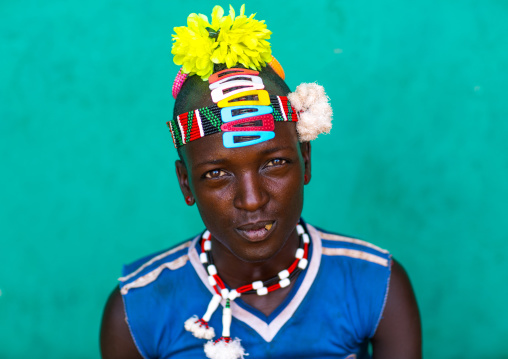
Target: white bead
{"points": [[233, 294], [305, 238], [262, 291], [303, 263], [283, 274], [212, 307], [212, 281], [225, 293], [212, 270], [299, 253], [257, 284], [206, 234], [226, 321], [300, 229], [203, 257], [284, 283], [208, 245]]}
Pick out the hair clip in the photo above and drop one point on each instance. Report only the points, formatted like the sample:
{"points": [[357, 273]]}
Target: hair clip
{"points": [[245, 138], [230, 72], [256, 123], [232, 88], [234, 113], [251, 78], [246, 98]]}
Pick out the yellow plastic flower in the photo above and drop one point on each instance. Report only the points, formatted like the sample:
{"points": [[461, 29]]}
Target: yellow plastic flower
{"points": [[227, 40]]}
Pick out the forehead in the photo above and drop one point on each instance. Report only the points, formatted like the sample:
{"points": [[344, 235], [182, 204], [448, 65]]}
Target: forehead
{"points": [[210, 149]]}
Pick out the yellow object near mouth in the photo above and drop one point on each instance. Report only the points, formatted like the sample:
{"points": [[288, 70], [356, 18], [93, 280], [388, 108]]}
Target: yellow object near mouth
{"points": [[268, 226]]}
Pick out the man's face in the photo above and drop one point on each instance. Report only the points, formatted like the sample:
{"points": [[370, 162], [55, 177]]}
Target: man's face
{"points": [[239, 191]]}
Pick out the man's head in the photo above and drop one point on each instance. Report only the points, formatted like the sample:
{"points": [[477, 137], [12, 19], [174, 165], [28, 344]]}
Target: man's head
{"points": [[239, 191], [243, 159]]}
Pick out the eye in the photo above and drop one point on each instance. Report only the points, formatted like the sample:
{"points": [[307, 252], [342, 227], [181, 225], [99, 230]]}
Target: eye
{"points": [[276, 162], [215, 173]]}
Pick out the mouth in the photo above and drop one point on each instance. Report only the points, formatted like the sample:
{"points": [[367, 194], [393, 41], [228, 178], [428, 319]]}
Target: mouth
{"points": [[256, 232]]}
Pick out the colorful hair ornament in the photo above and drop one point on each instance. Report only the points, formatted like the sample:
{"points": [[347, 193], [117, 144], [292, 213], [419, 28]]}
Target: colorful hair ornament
{"points": [[228, 40], [178, 83], [276, 66], [315, 112], [221, 75]]}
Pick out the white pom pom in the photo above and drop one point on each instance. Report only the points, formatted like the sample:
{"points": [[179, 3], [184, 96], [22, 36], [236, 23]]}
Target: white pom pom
{"points": [[190, 323], [199, 331], [204, 333], [311, 102], [223, 350]]}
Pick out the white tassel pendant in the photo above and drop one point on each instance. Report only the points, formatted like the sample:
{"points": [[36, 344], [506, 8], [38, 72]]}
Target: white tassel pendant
{"points": [[199, 327], [225, 347]]}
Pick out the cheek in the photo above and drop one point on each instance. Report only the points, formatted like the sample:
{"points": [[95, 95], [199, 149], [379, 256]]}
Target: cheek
{"points": [[213, 204], [287, 193]]}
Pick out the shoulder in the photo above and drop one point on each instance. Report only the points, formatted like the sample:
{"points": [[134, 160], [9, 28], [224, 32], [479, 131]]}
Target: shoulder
{"points": [[115, 337], [148, 268], [399, 332], [131, 310]]}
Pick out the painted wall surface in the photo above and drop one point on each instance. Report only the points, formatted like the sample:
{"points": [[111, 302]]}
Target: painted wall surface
{"points": [[417, 160]]}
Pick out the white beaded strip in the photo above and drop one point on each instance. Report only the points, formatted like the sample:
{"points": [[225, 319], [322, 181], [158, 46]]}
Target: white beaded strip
{"points": [[303, 263], [305, 238], [212, 270], [257, 284], [262, 291], [284, 274], [208, 245], [284, 283], [224, 293]]}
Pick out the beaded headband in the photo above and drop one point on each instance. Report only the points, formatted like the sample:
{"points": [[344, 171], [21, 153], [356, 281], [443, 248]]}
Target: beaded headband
{"points": [[234, 121]]}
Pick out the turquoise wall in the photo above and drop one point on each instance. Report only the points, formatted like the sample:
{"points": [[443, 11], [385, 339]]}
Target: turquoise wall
{"points": [[417, 160]]}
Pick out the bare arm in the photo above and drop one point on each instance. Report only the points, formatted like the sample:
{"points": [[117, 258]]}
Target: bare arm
{"points": [[116, 340], [398, 335]]}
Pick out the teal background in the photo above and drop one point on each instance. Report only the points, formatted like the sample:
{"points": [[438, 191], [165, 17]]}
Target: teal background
{"points": [[416, 162]]}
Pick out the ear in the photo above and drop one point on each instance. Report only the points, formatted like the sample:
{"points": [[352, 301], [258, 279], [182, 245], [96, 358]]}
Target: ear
{"points": [[305, 149], [183, 181]]}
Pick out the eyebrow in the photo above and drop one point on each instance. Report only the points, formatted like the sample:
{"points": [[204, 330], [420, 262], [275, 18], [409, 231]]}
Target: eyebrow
{"points": [[211, 162], [219, 161], [274, 149]]}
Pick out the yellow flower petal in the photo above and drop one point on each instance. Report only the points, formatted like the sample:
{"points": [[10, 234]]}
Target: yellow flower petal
{"points": [[217, 14], [241, 40]]}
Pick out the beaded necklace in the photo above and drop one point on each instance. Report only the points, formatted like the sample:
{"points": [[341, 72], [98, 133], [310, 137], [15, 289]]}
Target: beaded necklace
{"points": [[199, 327]]}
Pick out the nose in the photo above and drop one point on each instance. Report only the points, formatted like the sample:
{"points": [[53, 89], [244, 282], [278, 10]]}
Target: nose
{"points": [[250, 192]]}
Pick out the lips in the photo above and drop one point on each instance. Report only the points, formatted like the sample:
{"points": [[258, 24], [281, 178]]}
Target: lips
{"points": [[257, 231]]}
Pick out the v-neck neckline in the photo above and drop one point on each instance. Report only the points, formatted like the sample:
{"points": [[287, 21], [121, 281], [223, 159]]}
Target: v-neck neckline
{"points": [[268, 326]]}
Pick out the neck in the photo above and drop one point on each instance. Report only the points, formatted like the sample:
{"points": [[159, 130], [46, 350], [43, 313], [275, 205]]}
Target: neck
{"points": [[236, 272]]}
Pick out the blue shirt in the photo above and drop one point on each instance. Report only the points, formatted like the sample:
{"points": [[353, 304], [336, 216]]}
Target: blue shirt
{"points": [[331, 312]]}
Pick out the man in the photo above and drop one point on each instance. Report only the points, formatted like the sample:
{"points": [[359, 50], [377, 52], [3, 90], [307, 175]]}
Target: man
{"points": [[285, 288]]}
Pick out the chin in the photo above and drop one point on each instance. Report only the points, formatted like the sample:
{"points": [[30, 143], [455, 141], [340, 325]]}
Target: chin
{"points": [[257, 253]]}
